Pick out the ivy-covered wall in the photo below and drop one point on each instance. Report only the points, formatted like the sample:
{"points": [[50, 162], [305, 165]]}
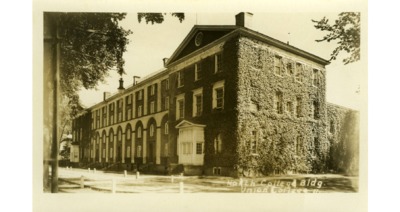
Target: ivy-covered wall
{"points": [[287, 138], [343, 134]]}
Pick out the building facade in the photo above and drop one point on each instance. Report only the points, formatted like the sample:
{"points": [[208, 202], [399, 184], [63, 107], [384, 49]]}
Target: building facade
{"points": [[229, 101]]}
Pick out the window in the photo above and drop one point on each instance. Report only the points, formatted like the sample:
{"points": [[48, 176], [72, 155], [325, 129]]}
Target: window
{"points": [[289, 107], [128, 133], [253, 142], [111, 137], [299, 72], [166, 106], [152, 107], [139, 151], [119, 110], [139, 132], [298, 107], [139, 110], [180, 107], [111, 152], [218, 95], [199, 148], [166, 128], [119, 135], [98, 118], [279, 102], [104, 138], [151, 130], [299, 145], [198, 74], [166, 84], [152, 89], [315, 78], [289, 68], [104, 153], [139, 95], [197, 102], [278, 65], [128, 107], [111, 112], [180, 78], [315, 109], [217, 170], [128, 152], [218, 63], [218, 144], [332, 127], [104, 116]]}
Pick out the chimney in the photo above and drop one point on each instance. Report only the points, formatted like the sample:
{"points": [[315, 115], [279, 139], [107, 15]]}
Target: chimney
{"points": [[106, 95], [165, 60], [243, 19], [121, 85], [134, 79]]}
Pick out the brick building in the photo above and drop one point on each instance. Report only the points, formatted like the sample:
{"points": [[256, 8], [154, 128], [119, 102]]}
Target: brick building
{"points": [[228, 101]]}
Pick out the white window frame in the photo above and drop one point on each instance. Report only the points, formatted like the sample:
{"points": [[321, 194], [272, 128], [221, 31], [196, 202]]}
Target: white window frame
{"points": [[197, 68], [197, 92], [216, 86], [139, 132], [315, 77], [166, 128], [181, 75], [152, 89], [299, 69], [140, 95], [140, 112], [278, 65], [151, 130], [152, 107]]}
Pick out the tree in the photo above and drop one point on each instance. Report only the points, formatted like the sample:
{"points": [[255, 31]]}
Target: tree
{"points": [[79, 51], [346, 31]]}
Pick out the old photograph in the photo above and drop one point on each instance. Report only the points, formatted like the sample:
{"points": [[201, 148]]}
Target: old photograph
{"points": [[234, 102]]}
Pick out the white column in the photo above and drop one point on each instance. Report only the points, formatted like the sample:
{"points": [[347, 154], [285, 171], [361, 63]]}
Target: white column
{"points": [[107, 140], [123, 149], [133, 149], [115, 148], [144, 145], [158, 145]]}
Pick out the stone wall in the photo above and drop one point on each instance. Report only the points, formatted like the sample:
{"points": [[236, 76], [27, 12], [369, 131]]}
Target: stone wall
{"points": [[290, 140]]}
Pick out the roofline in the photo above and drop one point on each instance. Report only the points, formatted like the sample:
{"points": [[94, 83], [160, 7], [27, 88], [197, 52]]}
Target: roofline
{"points": [[192, 32], [132, 87], [282, 45]]}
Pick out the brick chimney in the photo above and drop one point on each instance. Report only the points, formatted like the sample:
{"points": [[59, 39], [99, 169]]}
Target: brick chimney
{"points": [[121, 85], [243, 19], [106, 95], [165, 60]]}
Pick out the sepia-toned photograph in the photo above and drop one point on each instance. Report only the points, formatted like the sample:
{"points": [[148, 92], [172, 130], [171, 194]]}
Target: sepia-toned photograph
{"points": [[261, 102]]}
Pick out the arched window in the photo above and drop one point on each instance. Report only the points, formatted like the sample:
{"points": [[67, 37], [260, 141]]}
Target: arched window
{"points": [[166, 128], [151, 130], [111, 136], [128, 152], [139, 132], [104, 138], [119, 135], [128, 133]]}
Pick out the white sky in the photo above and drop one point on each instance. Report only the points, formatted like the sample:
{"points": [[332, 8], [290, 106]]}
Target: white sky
{"points": [[150, 43]]}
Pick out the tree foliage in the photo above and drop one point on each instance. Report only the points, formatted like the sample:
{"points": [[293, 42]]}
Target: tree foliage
{"points": [[92, 44], [346, 31]]}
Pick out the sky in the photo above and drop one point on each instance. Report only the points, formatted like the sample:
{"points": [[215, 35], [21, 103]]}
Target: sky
{"points": [[149, 44]]}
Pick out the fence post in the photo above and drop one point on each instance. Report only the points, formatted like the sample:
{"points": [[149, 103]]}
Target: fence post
{"points": [[82, 182], [172, 178], [125, 173], [88, 169], [181, 187], [94, 170], [113, 187], [137, 175]]}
